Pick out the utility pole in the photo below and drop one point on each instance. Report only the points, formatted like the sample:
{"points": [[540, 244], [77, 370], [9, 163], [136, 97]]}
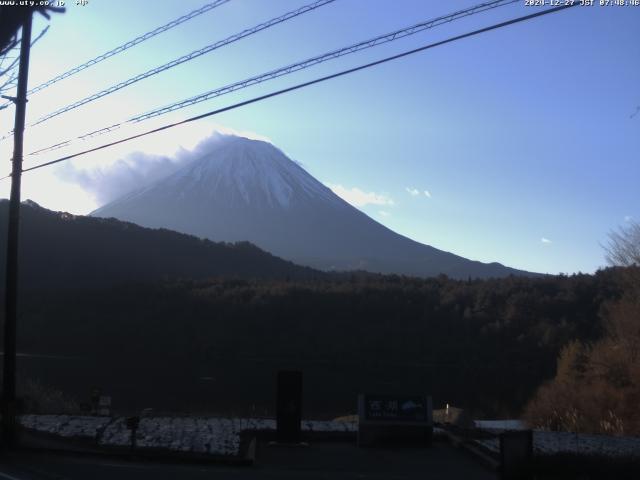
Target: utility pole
{"points": [[11, 285]]}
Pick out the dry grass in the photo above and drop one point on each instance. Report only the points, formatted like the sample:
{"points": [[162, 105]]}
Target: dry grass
{"points": [[597, 387]]}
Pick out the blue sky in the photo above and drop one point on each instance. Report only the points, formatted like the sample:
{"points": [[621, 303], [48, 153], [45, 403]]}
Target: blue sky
{"points": [[518, 135]]}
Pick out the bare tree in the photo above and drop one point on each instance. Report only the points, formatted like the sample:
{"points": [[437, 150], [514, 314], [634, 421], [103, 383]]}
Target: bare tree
{"points": [[11, 19], [597, 385], [623, 248], [8, 68]]}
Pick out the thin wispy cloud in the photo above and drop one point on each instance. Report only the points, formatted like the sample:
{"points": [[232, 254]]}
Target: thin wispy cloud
{"points": [[628, 218], [545, 241], [360, 198], [414, 192], [384, 213]]}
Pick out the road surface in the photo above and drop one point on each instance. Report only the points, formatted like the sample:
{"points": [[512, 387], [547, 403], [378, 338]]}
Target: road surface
{"points": [[339, 461]]}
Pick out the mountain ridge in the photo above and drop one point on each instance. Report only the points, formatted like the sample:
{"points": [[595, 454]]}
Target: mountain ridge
{"points": [[61, 250], [249, 190]]}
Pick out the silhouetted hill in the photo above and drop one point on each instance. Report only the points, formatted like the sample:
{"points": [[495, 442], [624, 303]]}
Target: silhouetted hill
{"points": [[60, 250]]}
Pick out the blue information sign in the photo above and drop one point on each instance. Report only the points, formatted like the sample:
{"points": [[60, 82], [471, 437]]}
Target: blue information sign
{"points": [[395, 408]]}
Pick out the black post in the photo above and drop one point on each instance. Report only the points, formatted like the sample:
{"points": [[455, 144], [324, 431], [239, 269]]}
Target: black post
{"points": [[289, 407], [132, 424], [11, 285], [516, 454]]}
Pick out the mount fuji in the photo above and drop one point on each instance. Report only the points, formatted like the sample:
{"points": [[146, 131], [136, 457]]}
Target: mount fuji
{"points": [[248, 190]]}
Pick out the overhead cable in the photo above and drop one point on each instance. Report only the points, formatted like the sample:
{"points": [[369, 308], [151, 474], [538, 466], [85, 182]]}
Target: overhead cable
{"points": [[129, 44], [185, 58], [279, 72], [305, 84]]}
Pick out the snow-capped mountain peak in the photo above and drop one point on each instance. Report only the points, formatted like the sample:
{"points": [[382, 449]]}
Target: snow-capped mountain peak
{"points": [[252, 171], [249, 190]]}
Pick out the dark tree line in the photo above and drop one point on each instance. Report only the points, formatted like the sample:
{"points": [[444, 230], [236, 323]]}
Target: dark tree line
{"points": [[486, 345], [162, 319]]}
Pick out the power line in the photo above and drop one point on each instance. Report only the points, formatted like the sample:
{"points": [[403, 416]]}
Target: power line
{"points": [[305, 84], [129, 44], [372, 42], [389, 37], [186, 58]]}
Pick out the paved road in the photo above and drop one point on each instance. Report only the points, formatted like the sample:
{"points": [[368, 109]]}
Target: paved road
{"points": [[340, 461]]}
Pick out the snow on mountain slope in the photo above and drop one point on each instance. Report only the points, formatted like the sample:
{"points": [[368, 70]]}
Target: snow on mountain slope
{"points": [[249, 190], [253, 171]]}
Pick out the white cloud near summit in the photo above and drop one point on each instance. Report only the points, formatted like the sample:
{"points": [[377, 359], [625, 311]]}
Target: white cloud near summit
{"points": [[137, 169]]}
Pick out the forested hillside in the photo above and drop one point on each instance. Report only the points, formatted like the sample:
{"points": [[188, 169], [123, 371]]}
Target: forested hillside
{"points": [[63, 251], [486, 345]]}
